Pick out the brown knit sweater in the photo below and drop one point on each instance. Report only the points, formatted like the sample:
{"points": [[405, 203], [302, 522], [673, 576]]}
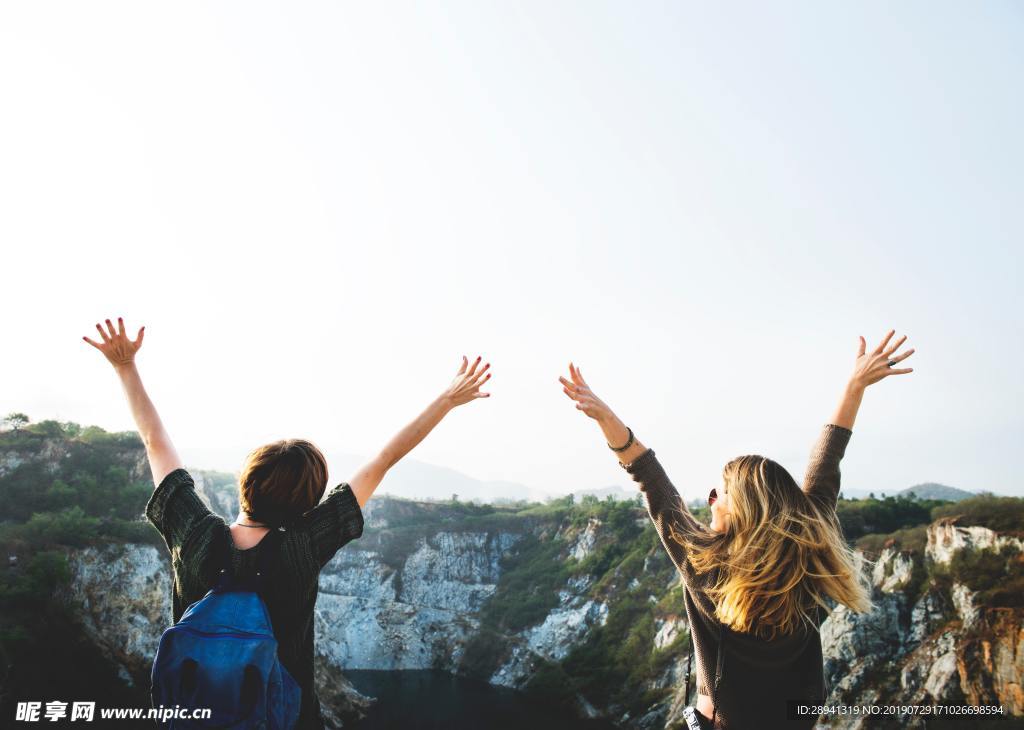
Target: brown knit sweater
{"points": [[197, 540], [758, 675]]}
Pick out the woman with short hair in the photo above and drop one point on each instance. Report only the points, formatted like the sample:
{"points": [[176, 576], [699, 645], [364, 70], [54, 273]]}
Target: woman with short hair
{"points": [[280, 486]]}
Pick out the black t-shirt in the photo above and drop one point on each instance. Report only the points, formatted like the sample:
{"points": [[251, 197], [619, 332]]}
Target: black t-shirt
{"points": [[197, 538]]}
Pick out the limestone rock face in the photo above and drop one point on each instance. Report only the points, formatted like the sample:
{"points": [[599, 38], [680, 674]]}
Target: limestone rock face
{"points": [[943, 648], [371, 615], [415, 599], [945, 538], [122, 594]]}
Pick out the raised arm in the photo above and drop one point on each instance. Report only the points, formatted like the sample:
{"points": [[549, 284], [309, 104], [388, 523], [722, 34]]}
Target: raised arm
{"points": [[666, 507], [120, 353], [822, 478], [463, 389]]}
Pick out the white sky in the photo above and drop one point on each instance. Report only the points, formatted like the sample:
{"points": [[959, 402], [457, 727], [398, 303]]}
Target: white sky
{"points": [[317, 208]]}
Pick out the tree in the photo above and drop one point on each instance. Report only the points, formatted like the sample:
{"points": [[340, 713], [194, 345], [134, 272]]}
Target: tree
{"points": [[14, 421], [71, 428], [49, 427]]}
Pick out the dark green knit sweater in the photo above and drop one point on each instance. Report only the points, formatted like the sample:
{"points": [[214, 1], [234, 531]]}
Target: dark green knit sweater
{"points": [[197, 540]]}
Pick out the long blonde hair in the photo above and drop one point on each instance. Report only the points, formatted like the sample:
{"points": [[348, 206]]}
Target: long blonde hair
{"points": [[781, 554]]}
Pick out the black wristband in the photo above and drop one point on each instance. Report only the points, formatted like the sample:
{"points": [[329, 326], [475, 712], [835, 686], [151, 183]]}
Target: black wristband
{"points": [[629, 442]]}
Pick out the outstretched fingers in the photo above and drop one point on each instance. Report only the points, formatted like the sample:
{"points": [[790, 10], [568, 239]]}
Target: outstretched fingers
{"points": [[570, 389], [904, 356], [469, 379], [899, 358], [890, 350], [478, 383], [881, 346], [116, 346], [474, 378], [577, 376], [577, 390]]}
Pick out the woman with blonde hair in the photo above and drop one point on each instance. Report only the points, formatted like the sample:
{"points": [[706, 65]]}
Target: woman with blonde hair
{"points": [[757, 581]]}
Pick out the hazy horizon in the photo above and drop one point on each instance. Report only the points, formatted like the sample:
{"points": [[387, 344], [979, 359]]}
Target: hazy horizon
{"points": [[418, 480], [317, 210]]}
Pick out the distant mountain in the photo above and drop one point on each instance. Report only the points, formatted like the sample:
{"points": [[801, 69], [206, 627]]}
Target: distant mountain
{"points": [[410, 478], [616, 491], [855, 493], [928, 490], [418, 480], [931, 490]]}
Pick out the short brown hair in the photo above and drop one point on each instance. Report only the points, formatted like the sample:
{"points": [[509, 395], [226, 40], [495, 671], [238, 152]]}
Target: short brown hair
{"points": [[282, 480]]}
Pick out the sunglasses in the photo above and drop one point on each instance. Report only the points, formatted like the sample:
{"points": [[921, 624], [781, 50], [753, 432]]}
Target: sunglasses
{"points": [[713, 496]]}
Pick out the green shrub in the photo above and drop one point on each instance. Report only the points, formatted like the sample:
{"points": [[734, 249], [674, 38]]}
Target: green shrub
{"points": [[996, 577], [914, 539], [529, 585], [485, 652], [861, 517], [1002, 514], [616, 660], [550, 683], [33, 584], [70, 526]]}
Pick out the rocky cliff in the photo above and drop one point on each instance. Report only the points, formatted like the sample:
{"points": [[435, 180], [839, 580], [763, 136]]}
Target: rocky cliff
{"points": [[929, 639], [571, 602], [392, 602]]}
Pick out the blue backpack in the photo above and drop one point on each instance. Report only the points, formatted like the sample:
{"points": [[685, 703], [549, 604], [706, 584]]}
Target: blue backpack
{"points": [[222, 655]]}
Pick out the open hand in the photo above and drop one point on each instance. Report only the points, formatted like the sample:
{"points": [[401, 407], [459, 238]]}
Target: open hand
{"points": [[585, 399], [116, 347], [872, 367], [466, 385]]}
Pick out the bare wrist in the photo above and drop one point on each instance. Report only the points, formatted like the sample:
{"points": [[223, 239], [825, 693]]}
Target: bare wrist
{"points": [[124, 367], [855, 387], [605, 419], [613, 429]]}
